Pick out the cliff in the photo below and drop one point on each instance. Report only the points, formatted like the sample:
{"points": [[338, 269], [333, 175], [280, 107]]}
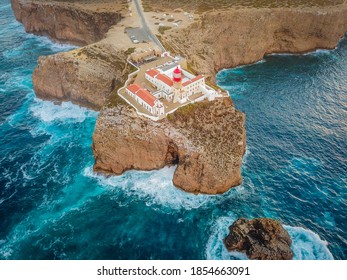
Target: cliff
{"points": [[66, 22], [206, 140], [225, 39], [261, 239], [85, 76], [220, 39]]}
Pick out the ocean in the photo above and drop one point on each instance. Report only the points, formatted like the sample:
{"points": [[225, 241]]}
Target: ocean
{"points": [[52, 206]]}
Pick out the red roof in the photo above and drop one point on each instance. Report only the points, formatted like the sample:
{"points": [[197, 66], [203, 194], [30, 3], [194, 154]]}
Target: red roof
{"points": [[152, 72], [165, 79], [192, 80], [133, 88], [146, 96]]}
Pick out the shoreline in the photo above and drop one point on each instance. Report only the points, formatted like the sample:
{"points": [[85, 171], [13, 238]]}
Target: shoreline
{"points": [[311, 52], [212, 226], [102, 68]]}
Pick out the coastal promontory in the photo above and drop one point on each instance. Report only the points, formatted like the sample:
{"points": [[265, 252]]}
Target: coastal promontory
{"points": [[217, 37], [243, 32], [86, 76], [206, 141], [77, 22]]}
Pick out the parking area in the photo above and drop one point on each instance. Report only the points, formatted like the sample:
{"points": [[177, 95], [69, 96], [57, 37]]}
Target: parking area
{"points": [[137, 35]]}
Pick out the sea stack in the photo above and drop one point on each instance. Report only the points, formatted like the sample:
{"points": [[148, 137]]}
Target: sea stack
{"points": [[259, 239]]}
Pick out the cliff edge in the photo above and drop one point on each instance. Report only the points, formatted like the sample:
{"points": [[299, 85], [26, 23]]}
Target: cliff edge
{"points": [[225, 39], [77, 23], [218, 39], [86, 76], [206, 141]]}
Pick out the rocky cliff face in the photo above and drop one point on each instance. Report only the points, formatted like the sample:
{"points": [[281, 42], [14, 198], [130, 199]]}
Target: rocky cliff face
{"points": [[261, 239], [206, 140], [224, 39], [63, 21], [86, 76]]}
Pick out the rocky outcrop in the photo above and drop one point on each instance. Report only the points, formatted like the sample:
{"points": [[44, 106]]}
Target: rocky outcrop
{"points": [[65, 22], [224, 39], [85, 76], [206, 140], [261, 239]]}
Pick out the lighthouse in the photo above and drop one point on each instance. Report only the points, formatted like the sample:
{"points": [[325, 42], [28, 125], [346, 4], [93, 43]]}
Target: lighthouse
{"points": [[177, 85], [177, 75]]}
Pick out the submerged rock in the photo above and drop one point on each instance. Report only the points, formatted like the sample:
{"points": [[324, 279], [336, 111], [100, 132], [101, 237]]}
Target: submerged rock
{"points": [[261, 239]]}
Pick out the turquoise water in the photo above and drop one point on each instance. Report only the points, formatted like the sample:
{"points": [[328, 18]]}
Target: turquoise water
{"points": [[52, 206]]}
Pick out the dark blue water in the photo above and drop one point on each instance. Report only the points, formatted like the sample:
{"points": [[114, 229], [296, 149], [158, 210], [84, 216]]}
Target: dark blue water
{"points": [[52, 206]]}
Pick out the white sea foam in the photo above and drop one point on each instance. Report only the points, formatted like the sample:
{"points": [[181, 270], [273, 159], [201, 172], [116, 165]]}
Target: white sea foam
{"points": [[47, 111], [18, 81], [315, 52], [306, 245], [154, 187], [39, 42], [260, 61], [246, 155], [54, 46], [215, 249], [5, 252]]}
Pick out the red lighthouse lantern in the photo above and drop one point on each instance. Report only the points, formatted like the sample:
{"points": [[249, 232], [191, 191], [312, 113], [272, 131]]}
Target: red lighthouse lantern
{"points": [[177, 75]]}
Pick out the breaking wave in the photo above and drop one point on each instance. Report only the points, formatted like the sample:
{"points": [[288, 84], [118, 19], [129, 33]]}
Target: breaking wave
{"points": [[64, 112], [306, 245], [154, 187], [56, 207]]}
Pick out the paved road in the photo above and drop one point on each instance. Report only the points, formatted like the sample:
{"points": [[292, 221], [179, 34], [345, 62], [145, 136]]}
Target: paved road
{"points": [[145, 27]]}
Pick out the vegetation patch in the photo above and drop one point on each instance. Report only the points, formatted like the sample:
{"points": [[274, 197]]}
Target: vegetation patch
{"points": [[191, 69], [188, 112], [116, 100], [162, 29], [130, 51]]}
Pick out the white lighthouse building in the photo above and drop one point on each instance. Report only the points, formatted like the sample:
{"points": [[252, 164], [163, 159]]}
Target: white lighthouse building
{"points": [[172, 83], [178, 83]]}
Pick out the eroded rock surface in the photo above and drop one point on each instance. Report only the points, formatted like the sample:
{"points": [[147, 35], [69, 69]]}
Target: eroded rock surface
{"points": [[85, 76], [66, 22], [261, 239], [206, 140], [225, 39]]}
